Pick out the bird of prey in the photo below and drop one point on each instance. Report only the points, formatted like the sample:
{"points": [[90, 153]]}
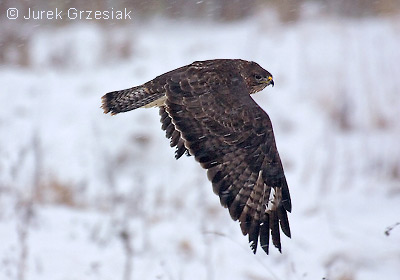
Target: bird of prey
{"points": [[207, 112]]}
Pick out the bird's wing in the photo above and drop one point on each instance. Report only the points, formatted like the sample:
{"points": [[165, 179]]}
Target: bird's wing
{"points": [[232, 137], [172, 134]]}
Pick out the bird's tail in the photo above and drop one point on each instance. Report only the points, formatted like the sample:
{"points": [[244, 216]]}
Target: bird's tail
{"points": [[129, 99]]}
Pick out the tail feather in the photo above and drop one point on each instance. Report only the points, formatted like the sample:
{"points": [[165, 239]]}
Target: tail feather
{"points": [[128, 99]]}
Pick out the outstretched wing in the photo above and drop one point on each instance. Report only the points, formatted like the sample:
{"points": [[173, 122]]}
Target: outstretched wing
{"points": [[215, 118]]}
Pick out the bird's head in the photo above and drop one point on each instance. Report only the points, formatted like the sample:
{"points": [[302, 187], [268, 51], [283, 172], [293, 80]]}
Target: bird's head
{"points": [[257, 78]]}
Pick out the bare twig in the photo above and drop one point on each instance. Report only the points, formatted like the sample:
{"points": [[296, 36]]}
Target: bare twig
{"points": [[390, 228], [23, 234], [126, 242]]}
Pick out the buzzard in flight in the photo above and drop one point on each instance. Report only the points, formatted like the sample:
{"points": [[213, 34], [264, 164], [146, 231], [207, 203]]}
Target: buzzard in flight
{"points": [[207, 112]]}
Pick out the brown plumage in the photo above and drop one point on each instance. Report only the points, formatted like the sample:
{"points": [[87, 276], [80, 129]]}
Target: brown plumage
{"points": [[206, 111]]}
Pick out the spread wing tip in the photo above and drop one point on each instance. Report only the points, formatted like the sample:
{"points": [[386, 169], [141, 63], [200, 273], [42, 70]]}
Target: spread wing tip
{"points": [[270, 229]]}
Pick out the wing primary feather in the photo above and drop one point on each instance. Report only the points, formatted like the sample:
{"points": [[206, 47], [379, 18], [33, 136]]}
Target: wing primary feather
{"points": [[274, 225], [286, 201], [264, 233], [253, 236], [283, 221]]}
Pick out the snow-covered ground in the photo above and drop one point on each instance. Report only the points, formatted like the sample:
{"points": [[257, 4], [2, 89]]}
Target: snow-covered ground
{"points": [[84, 195]]}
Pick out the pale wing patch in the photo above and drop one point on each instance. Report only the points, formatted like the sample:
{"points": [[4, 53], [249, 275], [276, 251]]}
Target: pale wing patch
{"points": [[274, 200], [156, 103]]}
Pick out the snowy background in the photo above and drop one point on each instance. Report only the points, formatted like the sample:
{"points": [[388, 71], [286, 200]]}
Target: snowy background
{"points": [[84, 195]]}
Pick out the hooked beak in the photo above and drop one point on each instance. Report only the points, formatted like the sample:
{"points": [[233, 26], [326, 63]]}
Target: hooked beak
{"points": [[271, 81]]}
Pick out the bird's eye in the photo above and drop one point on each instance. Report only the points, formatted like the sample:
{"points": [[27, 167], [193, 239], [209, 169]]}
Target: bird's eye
{"points": [[258, 77]]}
